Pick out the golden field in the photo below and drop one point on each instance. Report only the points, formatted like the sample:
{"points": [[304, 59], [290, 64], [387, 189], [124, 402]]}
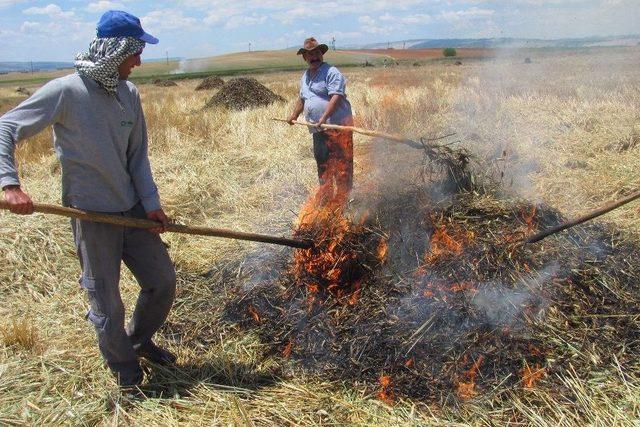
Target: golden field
{"points": [[564, 130], [232, 63], [270, 59]]}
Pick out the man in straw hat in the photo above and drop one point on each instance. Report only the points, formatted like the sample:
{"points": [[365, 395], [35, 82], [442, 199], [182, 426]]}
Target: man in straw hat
{"points": [[100, 138], [323, 100]]}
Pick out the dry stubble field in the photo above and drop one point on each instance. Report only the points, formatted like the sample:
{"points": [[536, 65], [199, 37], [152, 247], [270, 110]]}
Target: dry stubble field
{"points": [[564, 130]]}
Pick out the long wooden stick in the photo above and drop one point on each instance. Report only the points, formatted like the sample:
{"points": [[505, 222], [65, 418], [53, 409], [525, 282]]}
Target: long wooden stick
{"points": [[362, 131], [176, 228], [598, 212]]}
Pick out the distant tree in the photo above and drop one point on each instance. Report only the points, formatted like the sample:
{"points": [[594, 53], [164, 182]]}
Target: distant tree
{"points": [[449, 52]]}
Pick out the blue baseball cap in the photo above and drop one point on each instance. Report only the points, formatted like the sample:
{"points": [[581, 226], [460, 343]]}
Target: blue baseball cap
{"points": [[116, 23]]}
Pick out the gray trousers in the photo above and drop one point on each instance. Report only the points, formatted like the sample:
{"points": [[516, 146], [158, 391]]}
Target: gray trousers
{"points": [[101, 248]]}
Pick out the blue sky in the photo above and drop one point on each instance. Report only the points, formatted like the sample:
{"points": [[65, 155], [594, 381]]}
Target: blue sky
{"points": [[46, 30]]}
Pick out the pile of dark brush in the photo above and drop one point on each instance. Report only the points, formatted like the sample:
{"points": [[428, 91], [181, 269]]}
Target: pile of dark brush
{"points": [[211, 82], [504, 307], [243, 92], [164, 83]]}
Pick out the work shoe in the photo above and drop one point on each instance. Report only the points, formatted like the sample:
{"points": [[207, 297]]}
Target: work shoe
{"points": [[155, 354], [129, 375], [130, 382]]}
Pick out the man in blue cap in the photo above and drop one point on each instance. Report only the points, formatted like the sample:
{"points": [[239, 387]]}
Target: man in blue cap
{"points": [[100, 139]]}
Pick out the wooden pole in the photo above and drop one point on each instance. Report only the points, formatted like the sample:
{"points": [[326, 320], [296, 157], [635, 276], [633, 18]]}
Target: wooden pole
{"points": [[598, 212], [361, 131], [175, 228]]}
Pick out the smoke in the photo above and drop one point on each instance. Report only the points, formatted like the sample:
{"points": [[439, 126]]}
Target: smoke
{"points": [[192, 66], [504, 306], [519, 111]]}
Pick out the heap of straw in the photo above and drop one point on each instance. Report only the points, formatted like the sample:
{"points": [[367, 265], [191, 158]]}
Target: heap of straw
{"points": [[458, 310]]}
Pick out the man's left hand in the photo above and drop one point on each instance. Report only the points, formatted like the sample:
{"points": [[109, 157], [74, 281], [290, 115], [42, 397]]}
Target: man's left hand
{"points": [[159, 216], [320, 122]]}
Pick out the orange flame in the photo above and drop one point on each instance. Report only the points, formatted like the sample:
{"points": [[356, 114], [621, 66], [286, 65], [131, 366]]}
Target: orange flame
{"points": [[286, 352], [363, 218], [441, 290], [529, 218], [355, 296], [383, 248], [530, 376], [463, 286], [326, 204], [535, 351], [254, 313], [447, 243], [467, 389], [322, 216], [386, 393]]}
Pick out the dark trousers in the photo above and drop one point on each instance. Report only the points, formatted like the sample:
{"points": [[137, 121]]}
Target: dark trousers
{"points": [[101, 249], [333, 152]]}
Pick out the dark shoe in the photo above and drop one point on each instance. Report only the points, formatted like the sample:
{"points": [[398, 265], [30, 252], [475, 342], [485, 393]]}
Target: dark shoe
{"points": [[155, 354], [128, 375], [130, 383]]}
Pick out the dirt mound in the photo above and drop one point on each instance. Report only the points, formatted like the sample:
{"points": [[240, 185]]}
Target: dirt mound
{"points": [[164, 83], [211, 82], [243, 92]]}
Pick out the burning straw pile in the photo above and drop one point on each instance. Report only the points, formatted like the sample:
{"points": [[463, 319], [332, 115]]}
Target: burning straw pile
{"points": [[443, 303]]}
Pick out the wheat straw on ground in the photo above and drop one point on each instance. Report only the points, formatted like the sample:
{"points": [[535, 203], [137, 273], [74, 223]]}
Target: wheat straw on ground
{"points": [[568, 132]]}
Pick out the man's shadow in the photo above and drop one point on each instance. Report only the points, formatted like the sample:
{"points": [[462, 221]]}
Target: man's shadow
{"points": [[223, 374]]}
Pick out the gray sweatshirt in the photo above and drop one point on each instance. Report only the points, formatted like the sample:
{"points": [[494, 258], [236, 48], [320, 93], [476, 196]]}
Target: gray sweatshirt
{"points": [[100, 140]]}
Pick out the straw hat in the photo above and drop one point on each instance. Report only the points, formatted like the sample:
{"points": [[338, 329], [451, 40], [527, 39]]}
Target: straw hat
{"points": [[312, 44]]}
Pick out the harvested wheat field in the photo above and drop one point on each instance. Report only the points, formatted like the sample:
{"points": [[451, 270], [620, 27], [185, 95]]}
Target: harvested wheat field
{"points": [[418, 305], [431, 53]]}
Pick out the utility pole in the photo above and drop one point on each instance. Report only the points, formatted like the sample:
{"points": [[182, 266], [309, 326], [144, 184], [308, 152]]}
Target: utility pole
{"points": [[167, 57], [31, 67]]}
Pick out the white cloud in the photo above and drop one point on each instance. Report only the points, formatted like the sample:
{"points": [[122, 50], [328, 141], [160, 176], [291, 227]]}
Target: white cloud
{"points": [[168, 20], [240, 21], [220, 14], [550, 2], [9, 3], [416, 19], [301, 12], [8, 33], [302, 8], [366, 20], [466, 15], [388, 24], [104, 5], [187, 24], [47, 29], [52, 10], [341, 35], [59, 32]]}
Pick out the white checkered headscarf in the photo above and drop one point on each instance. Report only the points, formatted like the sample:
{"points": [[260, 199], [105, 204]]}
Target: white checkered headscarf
{"points": [[104, 57]]}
